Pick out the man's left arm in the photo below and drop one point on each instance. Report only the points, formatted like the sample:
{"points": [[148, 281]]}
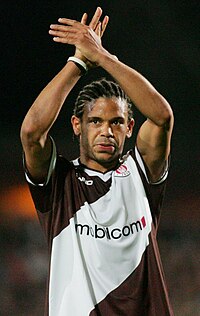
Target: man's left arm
{"points": [[154, 136], [153, 143]]}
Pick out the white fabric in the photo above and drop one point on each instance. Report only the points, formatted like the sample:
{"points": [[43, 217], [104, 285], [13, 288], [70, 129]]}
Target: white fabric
{"points": [[101, 247]]}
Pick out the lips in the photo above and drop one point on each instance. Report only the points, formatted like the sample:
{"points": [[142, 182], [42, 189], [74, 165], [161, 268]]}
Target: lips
{"points": [[105, 147]]}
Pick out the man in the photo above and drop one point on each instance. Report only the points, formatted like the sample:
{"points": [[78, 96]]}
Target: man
{"points": [[100, 213]]}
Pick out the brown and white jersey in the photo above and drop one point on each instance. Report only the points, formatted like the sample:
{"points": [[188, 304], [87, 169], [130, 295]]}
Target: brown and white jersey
{"points": [[101, 231]]}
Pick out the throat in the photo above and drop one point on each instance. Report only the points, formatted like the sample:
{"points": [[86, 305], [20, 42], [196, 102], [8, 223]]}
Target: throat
{"points": [[100, 165]]}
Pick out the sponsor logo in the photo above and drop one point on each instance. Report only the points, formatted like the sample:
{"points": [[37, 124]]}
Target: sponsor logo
{"points": [[122, 171], [111, 233], [87, 182]]}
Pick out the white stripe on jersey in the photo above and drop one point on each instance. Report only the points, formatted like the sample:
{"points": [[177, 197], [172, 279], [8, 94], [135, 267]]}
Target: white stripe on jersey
{"points": [[101, 247], [92, 173]]}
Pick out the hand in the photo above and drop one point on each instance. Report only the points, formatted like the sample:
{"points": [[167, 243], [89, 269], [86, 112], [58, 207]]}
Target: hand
{"points": [[87, 39]]}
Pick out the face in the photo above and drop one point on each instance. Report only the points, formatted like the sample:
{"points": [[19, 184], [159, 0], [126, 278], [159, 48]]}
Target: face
{"points": [[102, 131]]}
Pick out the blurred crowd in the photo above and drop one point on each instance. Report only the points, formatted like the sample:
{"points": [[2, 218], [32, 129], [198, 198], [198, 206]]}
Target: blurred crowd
{"points": [[23, 268], [24, 264]]}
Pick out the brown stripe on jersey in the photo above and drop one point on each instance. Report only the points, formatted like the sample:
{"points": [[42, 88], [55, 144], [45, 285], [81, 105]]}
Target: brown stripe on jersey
{"points": [[57, 203], [64, 195], [148, 297]]}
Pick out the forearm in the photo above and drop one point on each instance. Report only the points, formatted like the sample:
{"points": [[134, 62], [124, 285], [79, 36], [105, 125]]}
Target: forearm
{"points": [[48, 104], [149, 102], [145, 97]]}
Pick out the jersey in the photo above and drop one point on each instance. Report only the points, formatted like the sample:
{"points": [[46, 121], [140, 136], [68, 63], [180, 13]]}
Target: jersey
{"points": [[101, 231]]}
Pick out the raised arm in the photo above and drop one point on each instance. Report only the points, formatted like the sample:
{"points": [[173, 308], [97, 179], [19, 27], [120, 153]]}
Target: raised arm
{"points": [[153, 140], [154, 136], [45, 109]]}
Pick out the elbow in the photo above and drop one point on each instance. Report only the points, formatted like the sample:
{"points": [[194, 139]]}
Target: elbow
{"points": [[168, 121], [29, 135], [166, 116]]}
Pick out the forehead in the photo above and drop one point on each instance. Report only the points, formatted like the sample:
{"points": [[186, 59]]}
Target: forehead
{"points": [[107, 107]]}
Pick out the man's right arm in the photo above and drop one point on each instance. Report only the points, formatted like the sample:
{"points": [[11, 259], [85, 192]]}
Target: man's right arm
{"points": [[41, 116], [36, 143]]}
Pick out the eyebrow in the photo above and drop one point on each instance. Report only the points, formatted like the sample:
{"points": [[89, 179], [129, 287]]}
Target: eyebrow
{"points": [[117, 118]]}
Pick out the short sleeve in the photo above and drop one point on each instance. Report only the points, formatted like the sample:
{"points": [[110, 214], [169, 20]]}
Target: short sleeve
{"points": [[50, 171], [142, 166]]}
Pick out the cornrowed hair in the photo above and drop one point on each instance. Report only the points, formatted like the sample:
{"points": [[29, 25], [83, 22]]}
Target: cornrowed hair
{"points": [[100, 88]]}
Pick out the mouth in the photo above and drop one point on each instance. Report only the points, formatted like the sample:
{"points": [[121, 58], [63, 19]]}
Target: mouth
{"points": [[105, 147]]}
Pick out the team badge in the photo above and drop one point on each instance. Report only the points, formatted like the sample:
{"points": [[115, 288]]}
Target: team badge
{"points": [[122, 171]]}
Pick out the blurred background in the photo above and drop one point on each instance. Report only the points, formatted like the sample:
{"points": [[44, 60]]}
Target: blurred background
{"points": [[160, 39]]}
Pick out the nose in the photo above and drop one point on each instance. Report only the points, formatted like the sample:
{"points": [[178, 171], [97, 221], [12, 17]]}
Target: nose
{"points": [[106, 130]]}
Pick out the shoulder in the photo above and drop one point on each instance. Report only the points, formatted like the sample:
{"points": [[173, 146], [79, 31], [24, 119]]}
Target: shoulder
{"points": [[142, 168], [155, 191], [58, 166]]}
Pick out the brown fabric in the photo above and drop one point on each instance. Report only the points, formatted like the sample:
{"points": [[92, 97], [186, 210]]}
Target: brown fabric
{"points": [[144, 292]]}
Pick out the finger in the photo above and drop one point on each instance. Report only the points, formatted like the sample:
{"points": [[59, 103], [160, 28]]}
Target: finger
{"points": [[67, 21], [98, 29], [104, 24], [64, 28], [84, 18], [60, 40], [71, 23], [65, 40], [95, 19], [58, 33]]}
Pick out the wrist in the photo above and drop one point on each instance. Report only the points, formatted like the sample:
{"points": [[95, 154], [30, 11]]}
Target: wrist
{"points": [[88, 63], [79, 63], [106, 58]]}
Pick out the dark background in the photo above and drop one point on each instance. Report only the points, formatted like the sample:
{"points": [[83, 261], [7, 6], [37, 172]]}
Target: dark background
{"points": [[160, 39]]}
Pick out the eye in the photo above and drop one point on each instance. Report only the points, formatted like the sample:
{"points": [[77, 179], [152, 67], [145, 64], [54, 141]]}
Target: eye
{"points": [[117, 122], [94, 120]]}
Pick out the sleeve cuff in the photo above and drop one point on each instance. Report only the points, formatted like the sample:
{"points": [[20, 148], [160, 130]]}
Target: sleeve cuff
{"points": [[51, 168], [141, 164]]}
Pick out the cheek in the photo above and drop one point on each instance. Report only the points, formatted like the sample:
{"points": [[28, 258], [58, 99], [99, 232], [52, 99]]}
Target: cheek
{"points": [[122, 141], [87, 136], [92, 132], [120, 134]]}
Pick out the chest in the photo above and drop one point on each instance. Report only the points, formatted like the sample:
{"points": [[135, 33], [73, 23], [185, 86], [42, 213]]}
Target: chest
{"points": [[114, 206]]}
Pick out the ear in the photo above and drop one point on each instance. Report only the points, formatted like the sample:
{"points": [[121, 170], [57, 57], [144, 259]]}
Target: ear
{"points": [[76, 124], [130, 126]]}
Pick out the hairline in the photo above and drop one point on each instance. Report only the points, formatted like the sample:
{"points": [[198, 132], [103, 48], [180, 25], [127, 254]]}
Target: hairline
{"points": [[93, 101]]}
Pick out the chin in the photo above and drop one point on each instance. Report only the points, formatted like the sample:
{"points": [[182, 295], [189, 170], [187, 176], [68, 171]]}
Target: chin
{"points": [[106, 159]]}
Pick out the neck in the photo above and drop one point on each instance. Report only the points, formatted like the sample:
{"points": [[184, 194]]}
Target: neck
{"points": [[100, 166]]}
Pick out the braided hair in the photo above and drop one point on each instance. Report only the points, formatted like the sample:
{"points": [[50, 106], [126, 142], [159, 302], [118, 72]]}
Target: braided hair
{"points": [[100, 88]]}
